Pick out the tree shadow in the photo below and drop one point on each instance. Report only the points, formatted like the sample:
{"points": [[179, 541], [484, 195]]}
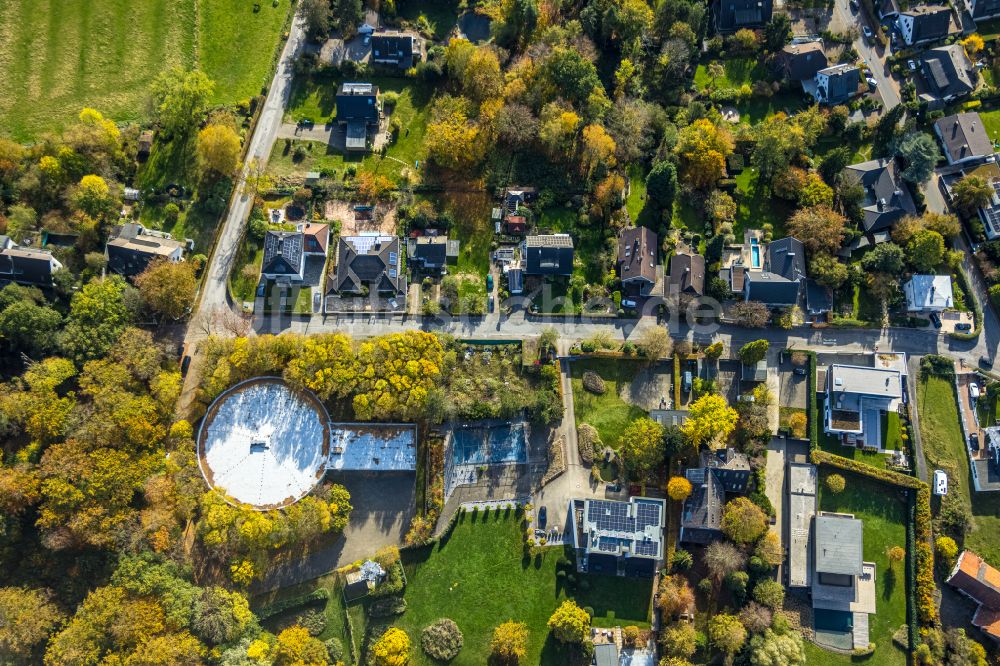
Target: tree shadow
{"points": [[889, 584]]}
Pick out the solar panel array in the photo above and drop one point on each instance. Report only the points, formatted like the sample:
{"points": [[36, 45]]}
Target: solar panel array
{"points": [[992, 211], [607, 544], [616, 525], [650, 548], [610, 516], [647, 514]]}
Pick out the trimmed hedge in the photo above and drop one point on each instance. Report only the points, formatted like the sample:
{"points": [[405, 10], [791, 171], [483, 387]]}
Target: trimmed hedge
{"points": [[320, 594], [926, 610]]}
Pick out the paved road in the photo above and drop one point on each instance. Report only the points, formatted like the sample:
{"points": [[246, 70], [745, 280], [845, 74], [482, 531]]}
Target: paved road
{"points": [[873, 54]]}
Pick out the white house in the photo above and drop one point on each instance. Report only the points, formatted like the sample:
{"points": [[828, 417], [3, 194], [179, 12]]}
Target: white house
{"points": [[928, 293]]}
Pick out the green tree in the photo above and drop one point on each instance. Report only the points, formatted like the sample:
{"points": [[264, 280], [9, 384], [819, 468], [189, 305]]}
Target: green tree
{"points": [[926, 250], [777, 32], [168, 287], [570, 623], [920, 152], [218, 151], [641, 446], [743, 521], [774, 649], [30, 328], [828, 271], [885, 258], [727, 633], [753, 352], [769, 593], [98, 314], [316, 14], [21, 220], [179, 99], [970, 193]]}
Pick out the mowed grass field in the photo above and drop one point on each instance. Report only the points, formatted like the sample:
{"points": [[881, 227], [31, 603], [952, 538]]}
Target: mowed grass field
{"points": [[58, 56]]}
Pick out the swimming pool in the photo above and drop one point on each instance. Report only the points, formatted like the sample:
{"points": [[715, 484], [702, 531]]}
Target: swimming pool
{"points": [[490, 445], [755, 262]]}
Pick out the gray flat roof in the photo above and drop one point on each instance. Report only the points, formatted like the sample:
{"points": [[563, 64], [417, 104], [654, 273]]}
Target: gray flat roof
{"points": [[802, 508], [866, 381], [839, 544]]}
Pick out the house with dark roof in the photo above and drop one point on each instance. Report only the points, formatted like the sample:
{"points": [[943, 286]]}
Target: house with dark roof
{"points": [[835, 85], [887, 198], [857, 400], [778, 282], [983, 9], [550, 255], [722, 474], [964, 139], [925, 23], [687, 275], [733, 15], [637, 260], [25, 265], [133, 247], [887, 9], [800, 62], [618, 538], [819, 299], [977, 580], [369, 263], [398, 49], [284, 259], [843, 584], [431, 254], [357, 112], [948, 73]]}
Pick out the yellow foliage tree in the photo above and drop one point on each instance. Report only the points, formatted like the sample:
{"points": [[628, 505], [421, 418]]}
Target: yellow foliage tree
{"points": [[326, 366], [598, 148], [678, 488], [570, 623], [510, 642], [709, 418], [973, 44], [218, 150], [373, 186], [557, 128], [451, 141], [392, 648], [703, 148], [295, 647]]}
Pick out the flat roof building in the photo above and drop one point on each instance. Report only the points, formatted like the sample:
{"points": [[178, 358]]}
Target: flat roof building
{"points": [[802, 484], [622, 538]]}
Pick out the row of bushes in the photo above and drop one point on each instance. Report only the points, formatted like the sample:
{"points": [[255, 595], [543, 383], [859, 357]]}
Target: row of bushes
{"points": [[923, 554], [316, 597], [977, 308]]}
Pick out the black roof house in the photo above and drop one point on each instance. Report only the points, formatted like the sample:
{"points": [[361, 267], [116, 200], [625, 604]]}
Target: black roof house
{"points": [[371, 262], [837, 84], [721, 472], [26, 265], [948, 72], [983, 9], [547, 255], [780, 279], [357, 108], [887, 200], [801, 61], [133, 247], [393, 48], [282, 254], [925, 23], [732, 15]]}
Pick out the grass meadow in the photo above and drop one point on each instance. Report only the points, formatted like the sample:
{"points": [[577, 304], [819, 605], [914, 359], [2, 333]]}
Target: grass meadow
{"points": [[58, 56]]}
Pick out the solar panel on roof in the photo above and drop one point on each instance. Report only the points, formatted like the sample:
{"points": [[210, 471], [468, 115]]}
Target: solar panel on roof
{"points": [[646, 548]]}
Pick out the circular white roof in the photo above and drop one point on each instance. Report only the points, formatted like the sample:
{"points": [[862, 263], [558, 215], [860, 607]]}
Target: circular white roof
{"points": [[263, 444]]}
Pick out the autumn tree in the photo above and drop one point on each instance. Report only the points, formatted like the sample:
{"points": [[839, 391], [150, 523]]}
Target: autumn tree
{"points": [[218, 151], [557, 129], [973, 44], [510, 642], [373, 187], [641, 446], [727, 633], [481, 77], [777, 649], [946, 549], [325, 365], [754, 352], [769, 549], [674, 595], [895, 554], [709, 418], [392, 648], [179, 98], [98, 314], [835, 483], [703, 148], [679, 641], [925, 250], [295, 646], [27, 617], [743, 521], [168, 287], [678, 488], [598, 148], [93, 196], [751, 314], [722, 558], [970, 193], [655, 343], [821, 229], [451, 137], [570, 623]]}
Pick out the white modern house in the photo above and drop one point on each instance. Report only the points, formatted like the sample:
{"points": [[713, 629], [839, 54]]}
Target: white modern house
{"points": [[856, 400], [928, 293]]}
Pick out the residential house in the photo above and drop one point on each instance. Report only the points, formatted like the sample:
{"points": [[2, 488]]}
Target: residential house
{"points": [[925, 23], [819, 299], [637, 260], [619, 538], [778, 281], [357, 112], [723, 472], [977, 580], [315, 238], [550, 255], [802, 61], [843, 584], [687, 275], [515, 225], [802, 486], [887, 199], [989, 214], [964, 139], [733, 15], [431, 254], [284, 259], [887, 9], [928, 293], [857, 399], [368, 264], [133, 247], [398, 49], [948, 73], [25, 265], [836, 85], [983, 9]]}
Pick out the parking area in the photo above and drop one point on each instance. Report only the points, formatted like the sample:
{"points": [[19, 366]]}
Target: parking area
{"points": [[727, 378], [793, 380]]}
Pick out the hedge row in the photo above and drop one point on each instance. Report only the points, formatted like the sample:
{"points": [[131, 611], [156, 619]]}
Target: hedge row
{"points": [[320, 594], [923, 554], [977, 308]]}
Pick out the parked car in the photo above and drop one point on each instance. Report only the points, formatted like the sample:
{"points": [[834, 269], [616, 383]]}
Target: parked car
{"points": [[974, 441], [911, 65], [185, 364], [985, 362], [964, 326], [940, 482], [489, 282], [800, 371], [627, 303], [872, 81], [868, 33], [492, 305], [973, 391], [543, 514], [614, 487], [935, 319]]}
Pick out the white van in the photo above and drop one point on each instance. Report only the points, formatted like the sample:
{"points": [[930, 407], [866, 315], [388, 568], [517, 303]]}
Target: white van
{"points": [[940, 482], [974, 391]]}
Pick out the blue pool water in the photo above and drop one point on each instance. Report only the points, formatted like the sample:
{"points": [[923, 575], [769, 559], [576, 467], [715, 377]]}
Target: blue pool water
{"points": [[754, 254], [490, 445]]}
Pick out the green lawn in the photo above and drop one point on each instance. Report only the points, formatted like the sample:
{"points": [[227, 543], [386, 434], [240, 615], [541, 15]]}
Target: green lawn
{"points": [[608, 412], [884, 515], [991, 121], [755, 208], [58, 56], [479, 577], [891, 433], [832, 444], [441, 15], [243, 286], [986, 409], [315, 99], [738, 72], [639, 213], [944, 449]]}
